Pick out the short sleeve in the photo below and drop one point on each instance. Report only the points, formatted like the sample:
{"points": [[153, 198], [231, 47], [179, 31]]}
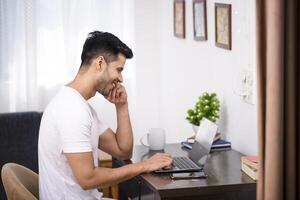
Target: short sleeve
{"points": [[103, 127], [75, 130], [100, 126]]}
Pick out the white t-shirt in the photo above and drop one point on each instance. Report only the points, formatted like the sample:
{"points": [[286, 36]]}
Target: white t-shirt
{"points": [[69, 125]]}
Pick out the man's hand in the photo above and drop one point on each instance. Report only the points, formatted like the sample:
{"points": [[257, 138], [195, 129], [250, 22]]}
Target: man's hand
{"points": [[158, 161], [118, 95]]}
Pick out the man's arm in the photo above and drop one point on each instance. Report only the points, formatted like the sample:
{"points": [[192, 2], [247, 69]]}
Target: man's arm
{"points": [[90, 177], [120, 144], [108, 143], [124, 134]]}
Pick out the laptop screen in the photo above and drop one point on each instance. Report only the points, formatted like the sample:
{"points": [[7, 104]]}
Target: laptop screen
{"points": [[203, 141]]}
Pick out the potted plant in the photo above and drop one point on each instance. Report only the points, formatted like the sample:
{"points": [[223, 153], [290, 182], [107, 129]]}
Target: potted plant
{"points": [[208, 106]]}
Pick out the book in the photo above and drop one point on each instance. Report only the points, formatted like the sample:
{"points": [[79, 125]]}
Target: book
{"points": [[220, 149], [221, 143], [217, 145], [251, 161], [251, 172]]}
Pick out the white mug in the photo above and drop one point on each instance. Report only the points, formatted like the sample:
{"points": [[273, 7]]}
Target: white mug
{"points": [[155, 139]]}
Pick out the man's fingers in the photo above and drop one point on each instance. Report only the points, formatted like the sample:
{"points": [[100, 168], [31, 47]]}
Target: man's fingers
{"points": [[168, 166], [113, 93], [117, 95], [165, 158], [164, 154], [121, 92], [118, 92], [167, 162], [159, 161], [168, 155]]}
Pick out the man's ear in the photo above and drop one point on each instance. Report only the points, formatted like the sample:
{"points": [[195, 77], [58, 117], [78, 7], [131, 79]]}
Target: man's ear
{"points": [[100, 63]]}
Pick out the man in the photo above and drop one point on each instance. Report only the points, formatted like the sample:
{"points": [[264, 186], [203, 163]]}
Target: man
{"points": [[71, 132]]}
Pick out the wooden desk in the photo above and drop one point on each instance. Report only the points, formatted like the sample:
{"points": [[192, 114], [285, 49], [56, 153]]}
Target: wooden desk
{"points": [[225, 179]]}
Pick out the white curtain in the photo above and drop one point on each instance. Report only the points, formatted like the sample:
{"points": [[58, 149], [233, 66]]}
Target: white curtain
{"points": [[41, 43]]}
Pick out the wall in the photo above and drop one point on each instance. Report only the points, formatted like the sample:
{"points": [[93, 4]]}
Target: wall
{"points": [[167, 74], [172, 72], [146, 113]]}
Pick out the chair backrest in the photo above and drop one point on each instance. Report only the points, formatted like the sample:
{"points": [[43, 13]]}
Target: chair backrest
{"points": [[19, 182], [19, 134]]}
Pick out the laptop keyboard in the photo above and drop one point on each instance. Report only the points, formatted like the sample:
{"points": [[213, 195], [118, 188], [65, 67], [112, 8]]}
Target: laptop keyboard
{"points": [[184, 163]]}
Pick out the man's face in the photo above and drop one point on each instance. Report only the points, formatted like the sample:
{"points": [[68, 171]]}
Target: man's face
{"points": [[111, 76]]}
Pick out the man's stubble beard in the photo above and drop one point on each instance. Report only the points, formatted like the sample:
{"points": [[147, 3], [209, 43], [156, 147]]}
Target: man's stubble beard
{"points": [[103, 83], [101, 88]]}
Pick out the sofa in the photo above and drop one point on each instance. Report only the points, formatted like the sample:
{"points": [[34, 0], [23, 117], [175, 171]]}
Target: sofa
{"points": [[19, 140]]}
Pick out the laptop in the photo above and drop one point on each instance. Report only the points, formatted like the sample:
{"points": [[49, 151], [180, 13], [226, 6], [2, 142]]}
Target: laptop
{"points": [[197, 157]]}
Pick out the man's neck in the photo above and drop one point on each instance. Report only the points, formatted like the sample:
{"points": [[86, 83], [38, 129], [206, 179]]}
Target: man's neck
{"points": [[80, 83]]}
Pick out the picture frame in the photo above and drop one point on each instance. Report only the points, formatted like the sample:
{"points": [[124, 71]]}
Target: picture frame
{"points": [[179, 18], [223, 25], [200, 20]]}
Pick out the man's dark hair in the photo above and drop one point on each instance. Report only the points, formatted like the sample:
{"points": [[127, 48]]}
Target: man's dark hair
{"points": [[105, 44]]}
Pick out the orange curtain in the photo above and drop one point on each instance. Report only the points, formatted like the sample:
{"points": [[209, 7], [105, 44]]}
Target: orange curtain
{"points": [[278, 99]]}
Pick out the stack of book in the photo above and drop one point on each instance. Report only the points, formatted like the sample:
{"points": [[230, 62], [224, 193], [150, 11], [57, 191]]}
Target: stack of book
{"points": [[250, 166], [218, 144]]}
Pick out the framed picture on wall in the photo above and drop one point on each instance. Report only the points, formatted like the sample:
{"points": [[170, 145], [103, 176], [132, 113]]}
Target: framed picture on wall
{"points": [[200, 19], [223, 25], [179, 18]]}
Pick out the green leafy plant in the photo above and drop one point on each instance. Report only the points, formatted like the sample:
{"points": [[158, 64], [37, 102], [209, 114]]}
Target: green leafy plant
{"points": [[208, 106]]}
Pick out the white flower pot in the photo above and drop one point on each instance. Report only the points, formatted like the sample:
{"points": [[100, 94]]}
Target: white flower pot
{"points": [[195, 128]]}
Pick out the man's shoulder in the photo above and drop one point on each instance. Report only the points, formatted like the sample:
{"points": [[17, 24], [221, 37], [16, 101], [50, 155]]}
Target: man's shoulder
{"points": [[66, 99], [67, 104]]}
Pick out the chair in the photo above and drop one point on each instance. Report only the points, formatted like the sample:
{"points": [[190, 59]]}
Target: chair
{"points": [[19, 182], [19, 133]]}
